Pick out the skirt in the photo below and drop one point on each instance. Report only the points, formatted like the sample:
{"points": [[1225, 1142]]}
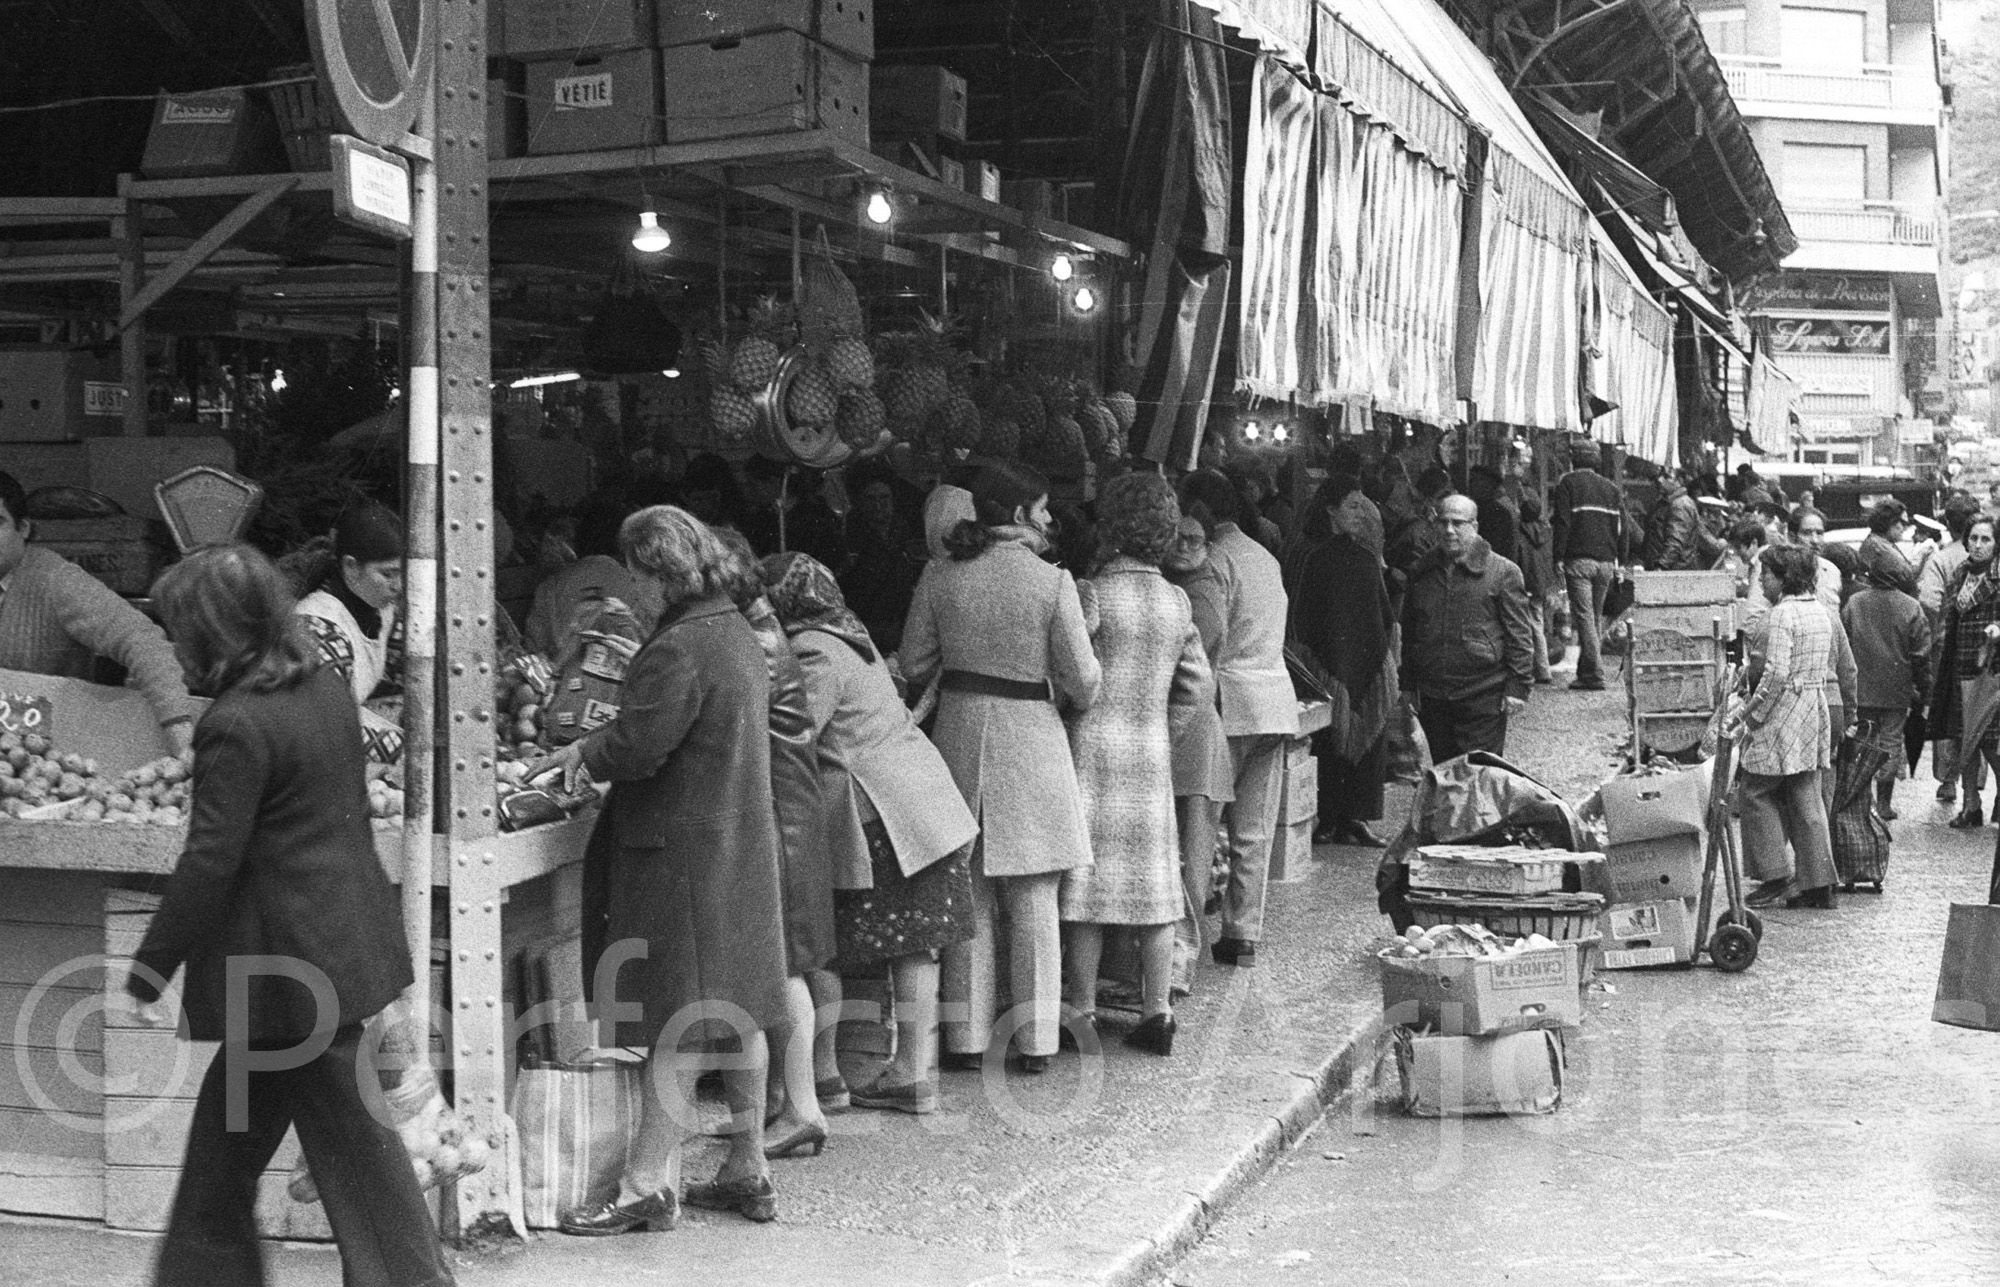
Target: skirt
{"points": [[902, 914]]}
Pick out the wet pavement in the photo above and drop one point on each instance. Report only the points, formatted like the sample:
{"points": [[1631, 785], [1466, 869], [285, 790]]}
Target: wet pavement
{"points": [[1804, 1122]]}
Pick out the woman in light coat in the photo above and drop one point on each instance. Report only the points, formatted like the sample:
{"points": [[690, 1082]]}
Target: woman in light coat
{"points": [[897, 831], [1785, 735], [1005, 633], [1155, 674]]}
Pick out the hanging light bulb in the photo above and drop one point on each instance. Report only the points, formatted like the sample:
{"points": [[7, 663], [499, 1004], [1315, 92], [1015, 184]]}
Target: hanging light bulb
{"points": [[1084, 300], [651, 237], [1281, 433], [879, 209], [1252, 430], [1062, 268]]}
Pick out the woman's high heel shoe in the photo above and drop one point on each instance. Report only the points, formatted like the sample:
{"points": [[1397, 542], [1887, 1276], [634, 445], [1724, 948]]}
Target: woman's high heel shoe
{"points": [[753, 1199], [1155, 1035], [656, 1213], [809, 1136]]}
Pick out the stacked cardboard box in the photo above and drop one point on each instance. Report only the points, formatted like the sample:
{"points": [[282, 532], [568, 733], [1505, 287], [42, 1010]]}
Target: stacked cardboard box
{"points": [[1658, 829], [1681, 624], [627, 73], [1478, 1029]]}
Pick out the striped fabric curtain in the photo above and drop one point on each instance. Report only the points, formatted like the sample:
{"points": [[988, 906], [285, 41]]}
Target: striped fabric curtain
{"points": [[1176, 193], [1274, 345], [1403, 295], [1636, 338], [1531, 286]]}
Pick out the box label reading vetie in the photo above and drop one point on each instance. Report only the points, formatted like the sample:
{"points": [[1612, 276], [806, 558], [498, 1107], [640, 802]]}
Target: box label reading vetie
{"points": [[580, 93]]}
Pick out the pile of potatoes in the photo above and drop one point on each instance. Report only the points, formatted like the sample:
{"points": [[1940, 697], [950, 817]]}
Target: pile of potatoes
{"points": [[33, 775]]}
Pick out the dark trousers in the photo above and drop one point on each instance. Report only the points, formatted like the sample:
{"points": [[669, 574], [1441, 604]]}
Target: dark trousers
{"points": [[363, 1173], [1453, 727], [1351, 791]]}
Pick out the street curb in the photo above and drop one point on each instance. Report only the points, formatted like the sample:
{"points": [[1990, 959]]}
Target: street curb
{"points": [[1303, 1098]]}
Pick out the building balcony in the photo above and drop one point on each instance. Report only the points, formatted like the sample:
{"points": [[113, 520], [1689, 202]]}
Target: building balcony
{"points": [[1869, 236], [1875, 93]]}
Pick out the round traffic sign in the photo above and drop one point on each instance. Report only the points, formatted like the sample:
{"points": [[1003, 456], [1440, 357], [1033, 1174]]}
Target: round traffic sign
{"points": [[376, 58]]}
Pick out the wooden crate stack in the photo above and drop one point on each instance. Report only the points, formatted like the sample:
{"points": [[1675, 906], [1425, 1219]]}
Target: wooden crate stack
{"points": [[1681, 624]]}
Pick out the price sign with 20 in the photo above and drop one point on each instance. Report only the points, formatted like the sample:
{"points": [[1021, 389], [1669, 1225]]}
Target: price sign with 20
{"points": [[20, 714]]}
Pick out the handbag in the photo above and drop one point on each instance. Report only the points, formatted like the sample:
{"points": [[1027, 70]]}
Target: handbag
{"points": [[575, 1121], [1968, 990], [1619, 598]]}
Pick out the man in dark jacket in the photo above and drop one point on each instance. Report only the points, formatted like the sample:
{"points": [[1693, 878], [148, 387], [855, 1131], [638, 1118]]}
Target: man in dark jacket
{"points": [[1497, 524], [1672, 527], [1468, 647], [1587, 515]]}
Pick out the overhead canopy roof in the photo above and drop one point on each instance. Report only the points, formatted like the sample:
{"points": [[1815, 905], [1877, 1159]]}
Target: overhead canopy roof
{"points": [[1646, 67]]}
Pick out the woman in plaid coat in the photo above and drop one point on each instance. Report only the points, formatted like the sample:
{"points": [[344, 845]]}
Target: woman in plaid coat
{"points": [[1785, 738], [1156, 674]]}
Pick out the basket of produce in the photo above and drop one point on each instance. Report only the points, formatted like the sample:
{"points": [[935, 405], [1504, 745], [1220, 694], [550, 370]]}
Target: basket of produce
{"points": [[1561, 917]]}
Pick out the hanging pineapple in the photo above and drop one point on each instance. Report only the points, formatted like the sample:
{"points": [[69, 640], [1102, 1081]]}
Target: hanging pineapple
{"points": [[734, 414], [960, 419], [850, 363], [999, 438], [861, 421], [1125, 407], [754, 364], [813, 398], [920, 366]]}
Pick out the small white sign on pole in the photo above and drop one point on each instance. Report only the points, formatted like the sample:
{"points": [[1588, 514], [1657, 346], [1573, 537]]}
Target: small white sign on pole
{"points": [[371, 187]]}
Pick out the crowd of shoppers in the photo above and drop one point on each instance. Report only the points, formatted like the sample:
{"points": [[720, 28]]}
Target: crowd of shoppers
{"points": [[967, 745]]}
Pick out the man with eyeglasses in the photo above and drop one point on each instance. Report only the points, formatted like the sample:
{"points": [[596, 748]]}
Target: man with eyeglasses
{"points": [[1468, 639]]}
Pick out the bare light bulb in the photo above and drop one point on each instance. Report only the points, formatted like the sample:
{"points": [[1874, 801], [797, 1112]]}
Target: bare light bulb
{"points": [[1252, 430], [1062, 268], [651, 237], [879, 209], [1085, 299], [1280, 433]]}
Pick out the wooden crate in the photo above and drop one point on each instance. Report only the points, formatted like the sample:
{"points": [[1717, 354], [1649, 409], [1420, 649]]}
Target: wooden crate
{"points": [[124, 552], [1651, 589], [1671, 686], [52, 1047]]}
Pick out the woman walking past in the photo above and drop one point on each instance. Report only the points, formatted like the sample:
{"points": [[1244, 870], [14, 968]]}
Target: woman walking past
{"points": [[1155, 674], [279, 862], [1341, 624], [1204, 779], [1004, 633], [897, 831], [682, 911], [1786, 738], [1963, 692]]}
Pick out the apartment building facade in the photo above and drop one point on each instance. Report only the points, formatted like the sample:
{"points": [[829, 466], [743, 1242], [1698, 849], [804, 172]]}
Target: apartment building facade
{"points": [[1849, 105]]}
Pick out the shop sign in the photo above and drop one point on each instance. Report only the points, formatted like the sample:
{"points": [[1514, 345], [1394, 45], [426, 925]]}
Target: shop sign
{"points": [[103, 398], [1827, 335], [1805, 291], [573, 93], [1916, 433], [1838, 428], [371, 187]]}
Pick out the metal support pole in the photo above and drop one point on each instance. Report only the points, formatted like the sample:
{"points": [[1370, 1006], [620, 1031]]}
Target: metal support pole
{"points": [[420, 576], [129, 230], [465, 644]]}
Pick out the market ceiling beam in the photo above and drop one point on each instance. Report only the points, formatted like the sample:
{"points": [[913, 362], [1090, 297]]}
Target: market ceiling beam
{"points": [[198, 254]]}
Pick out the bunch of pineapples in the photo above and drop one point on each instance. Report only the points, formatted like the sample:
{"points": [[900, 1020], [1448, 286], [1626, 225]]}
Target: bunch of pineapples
{"points": [[923, 390], [1056, 423], [737, 375]]}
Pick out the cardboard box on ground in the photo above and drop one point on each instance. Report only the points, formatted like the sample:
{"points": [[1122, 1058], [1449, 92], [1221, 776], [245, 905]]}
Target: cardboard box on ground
{"points": [[1483, 995], [1445, 1076]]}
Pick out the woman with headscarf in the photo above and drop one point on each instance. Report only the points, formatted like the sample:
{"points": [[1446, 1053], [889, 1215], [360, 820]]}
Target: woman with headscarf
{"points": [[807, 1086], [897, 831], [1004, 631], [351, 617], [1340, 626], [1962, 692], [1155, 674]]}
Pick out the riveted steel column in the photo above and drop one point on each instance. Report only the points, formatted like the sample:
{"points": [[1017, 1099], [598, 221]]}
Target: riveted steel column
{"points": [[465, 627]]}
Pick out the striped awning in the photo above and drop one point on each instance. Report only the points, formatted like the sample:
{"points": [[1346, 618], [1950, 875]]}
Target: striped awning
{"points": [[1533, 244], [1632, 362]]}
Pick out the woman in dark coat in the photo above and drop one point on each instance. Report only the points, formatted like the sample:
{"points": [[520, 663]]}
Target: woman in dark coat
{"points": [[796, 1116], [1968, 649], [1340, 625], [279, 862], [683, 916]]}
